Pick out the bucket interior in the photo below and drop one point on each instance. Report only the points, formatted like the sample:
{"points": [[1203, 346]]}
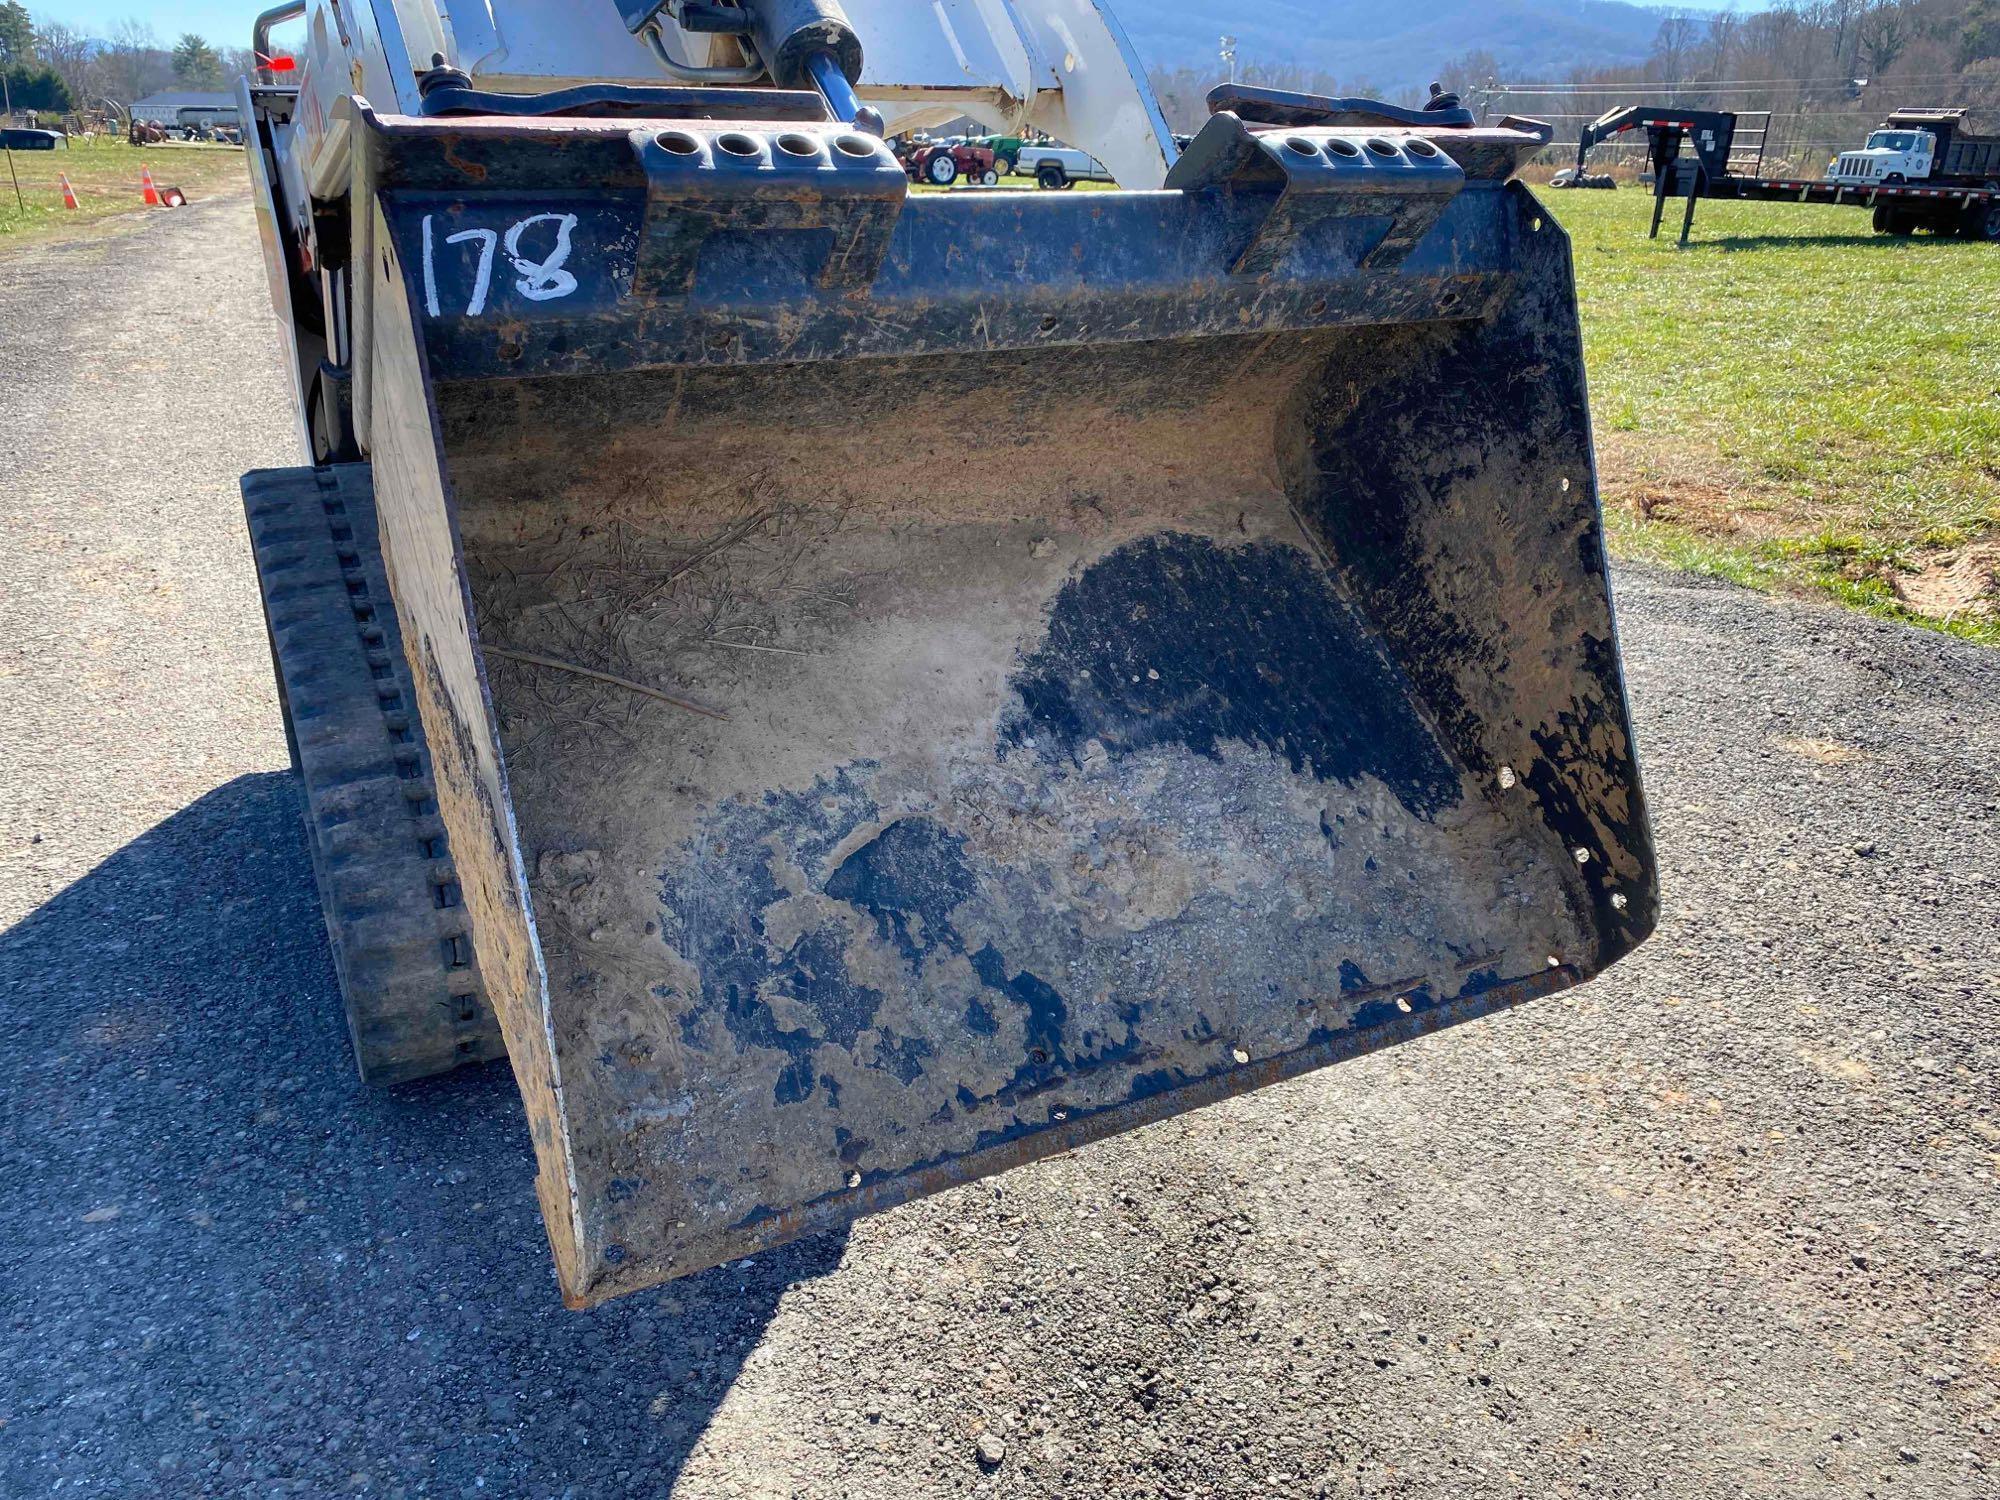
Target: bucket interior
{"points": [[1058, 733]]}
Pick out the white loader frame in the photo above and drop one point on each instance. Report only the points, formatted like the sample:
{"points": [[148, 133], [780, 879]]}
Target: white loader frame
{"points": [[1061, 66]]}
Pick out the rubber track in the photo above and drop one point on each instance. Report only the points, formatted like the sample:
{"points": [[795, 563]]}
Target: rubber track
{"points": [[394, 915]]}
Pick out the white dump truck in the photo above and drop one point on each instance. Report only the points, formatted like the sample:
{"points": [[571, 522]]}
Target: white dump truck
{"points": [[1935, 151]]}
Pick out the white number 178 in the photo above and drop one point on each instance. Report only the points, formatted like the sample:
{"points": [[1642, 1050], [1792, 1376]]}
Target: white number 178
{"points": [[537, 280]]}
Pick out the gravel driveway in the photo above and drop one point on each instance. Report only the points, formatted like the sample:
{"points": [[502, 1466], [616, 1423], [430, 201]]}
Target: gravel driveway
{"points": [[1722, 1223]]}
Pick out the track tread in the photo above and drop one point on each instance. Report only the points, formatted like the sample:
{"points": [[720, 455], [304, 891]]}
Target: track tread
{"points": [[401, 942]]}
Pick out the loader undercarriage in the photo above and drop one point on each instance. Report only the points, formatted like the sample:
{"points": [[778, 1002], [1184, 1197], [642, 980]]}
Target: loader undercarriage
{"points": [[400, 941]]}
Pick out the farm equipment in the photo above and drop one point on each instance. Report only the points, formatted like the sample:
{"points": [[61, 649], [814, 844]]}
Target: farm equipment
{"points": [[206, 123], [1005, 148], [1958, 192], [941, 163], [819, 811]]}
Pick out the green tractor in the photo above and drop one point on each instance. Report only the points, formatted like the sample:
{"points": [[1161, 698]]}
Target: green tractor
{"points": [[1005, 148]]}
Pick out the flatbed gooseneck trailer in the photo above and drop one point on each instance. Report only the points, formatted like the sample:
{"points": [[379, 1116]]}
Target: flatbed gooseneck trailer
{"points": [[1723, 165]]}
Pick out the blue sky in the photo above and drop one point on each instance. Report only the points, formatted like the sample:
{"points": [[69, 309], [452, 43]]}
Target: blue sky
{"points": [[221, 21], [228, 23]]}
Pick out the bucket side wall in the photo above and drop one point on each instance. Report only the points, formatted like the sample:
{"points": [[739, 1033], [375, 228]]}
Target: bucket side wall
{"points": [[421, 548], [1452, 480]]}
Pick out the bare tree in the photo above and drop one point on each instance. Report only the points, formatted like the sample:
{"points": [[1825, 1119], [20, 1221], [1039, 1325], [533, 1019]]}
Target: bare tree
{"points": [[1842, 18], [1183, 95], [1183, 92], [1674, 48], [68, 53], [1718, 46], [237, 61], [1881, 34], [1471, 76], [133, 64], [1979, 83]]}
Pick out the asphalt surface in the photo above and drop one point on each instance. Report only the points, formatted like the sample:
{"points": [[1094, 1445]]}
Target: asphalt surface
{"points": [[1724, 1222]]}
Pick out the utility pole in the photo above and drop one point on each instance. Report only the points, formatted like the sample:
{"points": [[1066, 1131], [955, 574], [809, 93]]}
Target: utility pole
{"points": [[1229, 57]]}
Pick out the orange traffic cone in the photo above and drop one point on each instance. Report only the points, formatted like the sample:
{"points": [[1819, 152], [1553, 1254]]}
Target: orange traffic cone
{"points": [[68, 192], [146, 189]]}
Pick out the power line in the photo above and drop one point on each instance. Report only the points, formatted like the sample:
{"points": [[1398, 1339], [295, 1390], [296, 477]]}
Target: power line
{"points": [[1801, 114], [1697, 86]]}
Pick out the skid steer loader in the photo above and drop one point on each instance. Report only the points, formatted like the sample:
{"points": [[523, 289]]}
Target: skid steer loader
{"points": [[852, 689]]}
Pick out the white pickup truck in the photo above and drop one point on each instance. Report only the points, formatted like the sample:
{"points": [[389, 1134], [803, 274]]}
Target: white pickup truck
{"points": [[1059, 166]]}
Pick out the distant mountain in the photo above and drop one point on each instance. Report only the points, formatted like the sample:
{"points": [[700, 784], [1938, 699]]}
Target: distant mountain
{"points": [[1392, 45]]}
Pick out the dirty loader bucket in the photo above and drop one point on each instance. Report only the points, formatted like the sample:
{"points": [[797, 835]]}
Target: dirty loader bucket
{"points": [[916, 683]]}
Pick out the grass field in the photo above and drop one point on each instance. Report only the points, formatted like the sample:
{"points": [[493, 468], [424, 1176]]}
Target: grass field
{"points": [[105, 174], [1796, 402]]}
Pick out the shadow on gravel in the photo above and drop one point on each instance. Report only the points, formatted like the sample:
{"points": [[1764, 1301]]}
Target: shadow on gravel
{"points": [[229, 1265]]}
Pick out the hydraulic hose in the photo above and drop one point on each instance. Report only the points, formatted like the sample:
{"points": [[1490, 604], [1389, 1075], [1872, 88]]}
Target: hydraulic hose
{"points": [[795, 43], [750, 72]]}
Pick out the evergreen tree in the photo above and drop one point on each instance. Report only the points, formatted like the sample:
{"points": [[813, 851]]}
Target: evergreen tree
{"points": [[17, 35], [195, 63]]}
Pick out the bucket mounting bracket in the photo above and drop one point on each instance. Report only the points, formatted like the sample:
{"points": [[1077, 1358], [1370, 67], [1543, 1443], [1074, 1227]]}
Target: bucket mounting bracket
{"points": [[1313, 174], [835, 189]]}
